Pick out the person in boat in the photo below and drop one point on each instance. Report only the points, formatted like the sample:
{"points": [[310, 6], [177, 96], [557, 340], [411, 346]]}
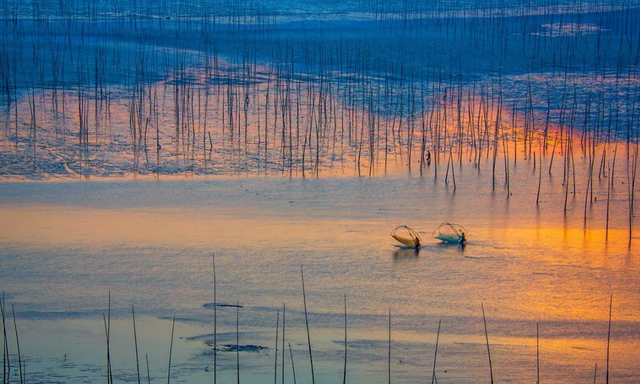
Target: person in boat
{"points": [[417, 241], [463, 238]]}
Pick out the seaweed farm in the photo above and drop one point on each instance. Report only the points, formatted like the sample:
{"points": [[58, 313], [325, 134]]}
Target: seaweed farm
{"points": [[195, 191]]}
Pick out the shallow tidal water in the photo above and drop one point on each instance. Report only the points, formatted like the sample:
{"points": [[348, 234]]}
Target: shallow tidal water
{"points": [[66, 245], [139, 138]]}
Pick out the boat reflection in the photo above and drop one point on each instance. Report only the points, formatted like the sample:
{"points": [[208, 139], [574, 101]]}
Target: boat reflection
{"points": [[406, 253]]}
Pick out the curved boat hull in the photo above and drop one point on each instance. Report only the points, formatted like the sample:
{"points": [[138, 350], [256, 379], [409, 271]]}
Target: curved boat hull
{"points": [[405, 240], [449, 239]]}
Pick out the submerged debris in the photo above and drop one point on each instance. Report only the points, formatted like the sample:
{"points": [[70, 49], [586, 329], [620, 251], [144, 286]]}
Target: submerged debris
{"points": [[241, 348], [211, 305], [236, 348]]}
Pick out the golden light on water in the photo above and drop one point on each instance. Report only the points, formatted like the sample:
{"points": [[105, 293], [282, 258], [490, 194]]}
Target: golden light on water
{"points": [[137, 140]]}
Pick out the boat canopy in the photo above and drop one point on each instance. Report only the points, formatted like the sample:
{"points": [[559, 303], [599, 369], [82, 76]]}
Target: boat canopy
{"points": [[406, 236], [450, 233]]}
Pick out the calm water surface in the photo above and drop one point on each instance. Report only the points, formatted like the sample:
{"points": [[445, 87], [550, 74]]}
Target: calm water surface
{"points": [[66, 245]]}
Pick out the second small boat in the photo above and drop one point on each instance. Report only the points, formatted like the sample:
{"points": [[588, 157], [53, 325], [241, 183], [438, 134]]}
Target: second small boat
{"points": [[450, 233]]}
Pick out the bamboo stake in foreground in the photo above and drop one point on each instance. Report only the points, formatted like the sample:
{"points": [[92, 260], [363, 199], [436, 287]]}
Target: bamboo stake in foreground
{"points": [[171, 350], [344, 373], [146, 356], [486, 334], [215, 324], [15, 327], [389, 350], [435, 355], [537, 355], [135, 340], [6, 363], [609, 338], [238, 340], [284, 311], [306, 320], [107, 331], [275, 367], [293, 367]]}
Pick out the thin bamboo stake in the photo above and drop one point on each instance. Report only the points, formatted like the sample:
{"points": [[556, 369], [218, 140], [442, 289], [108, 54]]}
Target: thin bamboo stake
{"points": [[15, 326], [344, 372], [275, 368], [537, 355], [146, 356], [539, 181], [215, 322], [631, 188], [293, 367], [6, 362], [135, 340], [609, 338], [171, 350], [107, 330], [435, 355], [486, 334], [609, 188], [238, 340], [306, 320], [284, 309], [389, 349]]}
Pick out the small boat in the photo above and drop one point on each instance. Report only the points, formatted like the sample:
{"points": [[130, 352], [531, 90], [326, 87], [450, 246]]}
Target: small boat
{"points": [[450, 233], [407, 236]]}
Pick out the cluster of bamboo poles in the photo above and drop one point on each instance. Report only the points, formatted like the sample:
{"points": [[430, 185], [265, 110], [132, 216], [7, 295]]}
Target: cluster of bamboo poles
{"points": [[298, 128], [283, 350], [6, 357], [323, 99], [233, 91]]}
